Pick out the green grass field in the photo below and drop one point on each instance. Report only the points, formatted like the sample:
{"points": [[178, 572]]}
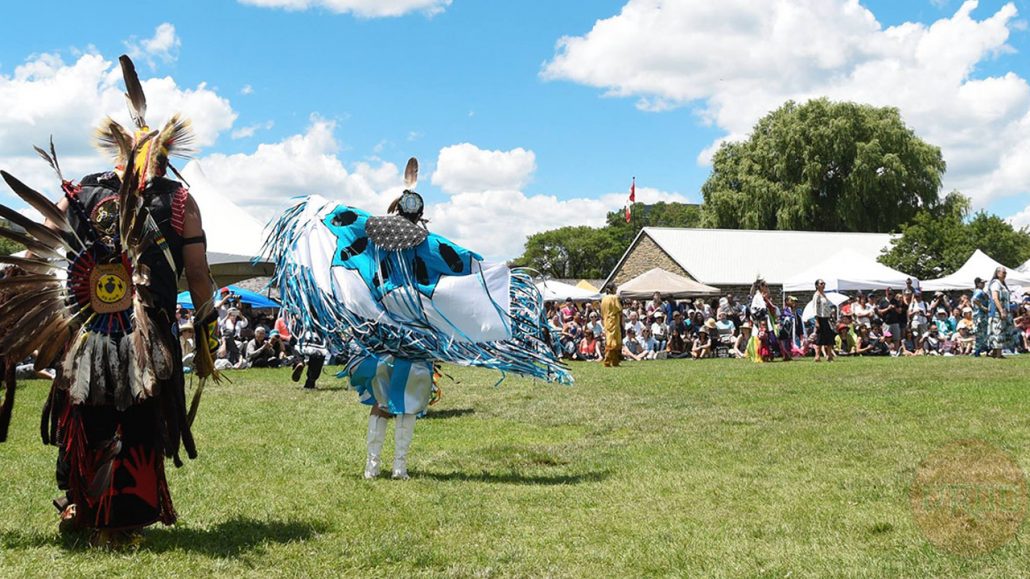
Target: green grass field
{"points": [[714, 468]]}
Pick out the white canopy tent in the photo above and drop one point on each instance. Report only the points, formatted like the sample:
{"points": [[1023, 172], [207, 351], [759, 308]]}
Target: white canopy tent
{"points": [[668, 284], [234, 237], [1025, 268], [556, 291], [978, 265], [848, 270]]}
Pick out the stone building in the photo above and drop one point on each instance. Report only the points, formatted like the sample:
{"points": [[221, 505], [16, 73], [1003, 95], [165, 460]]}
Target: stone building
{"points": [[731, 259]]}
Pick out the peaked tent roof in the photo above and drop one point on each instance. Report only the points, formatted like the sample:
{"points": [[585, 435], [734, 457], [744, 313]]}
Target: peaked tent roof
{"points": [[738, 256], [848, 270], [1025, 267], [978, 265], [556, 291], [234, 237], [584, 284], [667, 283]]}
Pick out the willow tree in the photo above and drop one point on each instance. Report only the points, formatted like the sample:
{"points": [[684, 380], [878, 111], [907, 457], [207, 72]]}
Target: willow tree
{"points": [[824, 166]]}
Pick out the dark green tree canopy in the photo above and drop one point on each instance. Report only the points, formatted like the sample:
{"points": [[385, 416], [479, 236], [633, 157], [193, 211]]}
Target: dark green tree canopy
{"points": [[937, 242], [824, 166], [592, 252]]}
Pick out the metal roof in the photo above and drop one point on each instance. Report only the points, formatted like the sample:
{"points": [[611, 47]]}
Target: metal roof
{"points": [[738, 256]]}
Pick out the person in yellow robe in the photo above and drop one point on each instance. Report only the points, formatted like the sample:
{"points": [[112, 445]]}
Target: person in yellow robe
{"points": [[611, 316]]}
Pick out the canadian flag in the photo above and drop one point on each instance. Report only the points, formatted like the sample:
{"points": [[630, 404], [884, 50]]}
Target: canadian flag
{"points": [[632, 199]]}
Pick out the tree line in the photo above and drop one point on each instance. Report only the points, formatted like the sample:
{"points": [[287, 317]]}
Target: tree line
{"points": [[817, 166]]}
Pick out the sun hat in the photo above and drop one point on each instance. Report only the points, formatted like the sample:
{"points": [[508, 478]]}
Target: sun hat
{"points": [[710, 324]]}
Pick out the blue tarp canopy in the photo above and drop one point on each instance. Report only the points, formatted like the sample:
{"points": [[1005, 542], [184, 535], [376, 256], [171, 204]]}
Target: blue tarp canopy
{"points": [[253, 299]]}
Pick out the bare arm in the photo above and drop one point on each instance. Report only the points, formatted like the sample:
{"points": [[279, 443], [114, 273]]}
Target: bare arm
{"points": [[194, 255]]}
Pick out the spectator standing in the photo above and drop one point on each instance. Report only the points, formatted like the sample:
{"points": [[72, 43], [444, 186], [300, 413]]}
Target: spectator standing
{"points": [[233, 323], [917, 314], [656, 304], [981, 305], [891, 312], [825, 336], [863, 311], [1001, 331]]}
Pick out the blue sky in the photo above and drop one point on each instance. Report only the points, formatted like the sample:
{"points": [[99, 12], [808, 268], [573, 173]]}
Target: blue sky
{"points": [[385, 88]]}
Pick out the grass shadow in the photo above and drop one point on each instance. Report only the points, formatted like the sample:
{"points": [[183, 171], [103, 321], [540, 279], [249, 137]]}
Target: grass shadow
{"points": [[514, 478], [231, 538], [449, 413], [227, 539]]}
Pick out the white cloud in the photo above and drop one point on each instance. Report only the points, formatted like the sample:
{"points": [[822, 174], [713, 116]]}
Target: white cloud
{"points": [[489, 213], [264, 181], [1021, 219], [736, 60], [496, 223], [251, 130], [361, 8], [492, 220], [44, 97], [466, 167], [247, 89], [163, 46]]}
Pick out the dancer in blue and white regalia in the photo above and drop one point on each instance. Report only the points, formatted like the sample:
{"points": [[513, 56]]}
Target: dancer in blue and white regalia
{"points": [[405, 298]]}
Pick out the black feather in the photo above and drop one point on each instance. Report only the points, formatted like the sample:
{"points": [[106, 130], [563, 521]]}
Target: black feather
{"points": [[134, 92], [30, 265], [38, 230], [46, 207], [31, 244]]}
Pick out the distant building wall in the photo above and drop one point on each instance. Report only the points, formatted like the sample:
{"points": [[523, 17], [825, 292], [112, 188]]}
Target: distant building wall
{"points": [[645, 256]]}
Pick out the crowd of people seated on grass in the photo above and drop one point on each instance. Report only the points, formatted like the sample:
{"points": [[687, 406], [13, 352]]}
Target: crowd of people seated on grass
{"points": [[255, 339], [907, 322]]}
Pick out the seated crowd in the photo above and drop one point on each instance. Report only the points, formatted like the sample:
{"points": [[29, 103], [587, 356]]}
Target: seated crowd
{"points": [[248, 339], [869, 324]]}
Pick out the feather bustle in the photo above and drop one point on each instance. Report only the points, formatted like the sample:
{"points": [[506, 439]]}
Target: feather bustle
{"points": [[47, 208], [32, 265], [39, 231]]}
